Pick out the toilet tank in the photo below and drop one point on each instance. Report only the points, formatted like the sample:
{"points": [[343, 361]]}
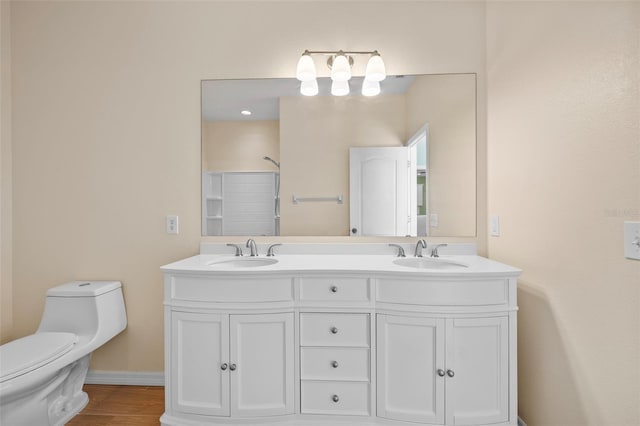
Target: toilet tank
{"points": [[85, 308]]}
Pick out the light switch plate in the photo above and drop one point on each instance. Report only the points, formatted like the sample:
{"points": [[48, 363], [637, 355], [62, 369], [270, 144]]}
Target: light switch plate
{"points": [[433, 220], [632, 240], [495, 226]]}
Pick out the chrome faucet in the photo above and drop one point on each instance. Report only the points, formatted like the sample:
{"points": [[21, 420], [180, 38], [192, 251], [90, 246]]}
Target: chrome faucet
{"points": [[422, 244], [270, 252], [400, 249], [238, 249], [252, 246], [434, 251]]}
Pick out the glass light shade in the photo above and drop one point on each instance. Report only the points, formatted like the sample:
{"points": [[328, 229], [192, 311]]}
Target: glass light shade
{"points": [[340, 88], [340, 69], [375, 69], [306, 69], [309, 87], [370, 88]]}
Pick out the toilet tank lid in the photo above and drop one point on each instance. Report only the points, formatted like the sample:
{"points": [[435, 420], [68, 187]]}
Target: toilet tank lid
{"points": [[83, 288], [34, 351]]}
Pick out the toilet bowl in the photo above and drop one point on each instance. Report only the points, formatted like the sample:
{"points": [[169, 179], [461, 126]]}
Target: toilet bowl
{"points": [[41, 375]]}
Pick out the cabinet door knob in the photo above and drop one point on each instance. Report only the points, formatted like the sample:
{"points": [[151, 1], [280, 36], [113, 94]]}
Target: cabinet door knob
{"points": [[335, 398], [232, 367], [334, 330], [334, 289], [223, 367], [440, 372], [334, 364], [450, 373]]}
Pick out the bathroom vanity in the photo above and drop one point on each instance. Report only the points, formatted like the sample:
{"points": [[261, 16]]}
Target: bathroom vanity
{"points": [[330, 339]]}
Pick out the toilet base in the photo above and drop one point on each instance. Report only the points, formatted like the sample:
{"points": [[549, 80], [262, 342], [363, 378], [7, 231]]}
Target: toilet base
{"points": [[53, 401]]}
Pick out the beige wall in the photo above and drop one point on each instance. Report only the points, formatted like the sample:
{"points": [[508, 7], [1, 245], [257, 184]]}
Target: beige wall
{"points": [[229, 146], [315, 137], [447, 104], [6, 280], [106, 127], [564, 173]]}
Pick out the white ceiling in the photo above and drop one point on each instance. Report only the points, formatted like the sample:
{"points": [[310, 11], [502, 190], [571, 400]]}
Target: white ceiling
{"points": [[222, 100]]}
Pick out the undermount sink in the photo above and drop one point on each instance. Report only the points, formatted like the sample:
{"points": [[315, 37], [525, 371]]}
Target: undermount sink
{"points": [[429, 263], [244, 262]]}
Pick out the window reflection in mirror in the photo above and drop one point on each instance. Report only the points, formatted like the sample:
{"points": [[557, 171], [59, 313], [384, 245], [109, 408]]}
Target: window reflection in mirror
{"points": [[253, 165]]}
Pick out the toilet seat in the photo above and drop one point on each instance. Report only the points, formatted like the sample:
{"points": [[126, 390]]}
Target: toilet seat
{"points": [[31, 352]]}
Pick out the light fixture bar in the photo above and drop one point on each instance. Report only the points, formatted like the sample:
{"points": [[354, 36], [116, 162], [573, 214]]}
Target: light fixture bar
{"points": [[340, 52], [340, 63]]}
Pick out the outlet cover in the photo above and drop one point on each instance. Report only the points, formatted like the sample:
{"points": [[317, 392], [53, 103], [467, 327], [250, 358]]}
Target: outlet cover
{"points": [[172, 224], [632, 240]]}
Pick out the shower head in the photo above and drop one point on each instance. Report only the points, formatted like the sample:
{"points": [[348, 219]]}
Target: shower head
{"points": [[272, 160]]}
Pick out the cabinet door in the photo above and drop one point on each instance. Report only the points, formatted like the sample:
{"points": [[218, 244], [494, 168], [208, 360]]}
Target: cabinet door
{"points": [[199, 349], [262, 383], [478, 358], [410, 353]]}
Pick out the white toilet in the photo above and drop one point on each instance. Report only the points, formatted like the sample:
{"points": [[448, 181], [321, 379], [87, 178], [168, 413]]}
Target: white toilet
{"points": [[41, 375]]}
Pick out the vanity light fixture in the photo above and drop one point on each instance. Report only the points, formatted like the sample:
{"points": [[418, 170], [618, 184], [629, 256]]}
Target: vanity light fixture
{"points": [[309, 87], [245, 112], [340, 63], [340, 88], [370, 87]]}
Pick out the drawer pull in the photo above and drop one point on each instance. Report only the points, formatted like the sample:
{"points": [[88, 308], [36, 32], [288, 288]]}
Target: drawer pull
{"points": [[334, 364], [335, 398], [450, 373], [334, 330], [232, 367], [334, 289], [224, 366], [440, 372]]}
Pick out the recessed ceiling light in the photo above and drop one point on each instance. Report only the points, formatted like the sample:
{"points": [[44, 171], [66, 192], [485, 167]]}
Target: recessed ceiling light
{"points": [[245, 112]]}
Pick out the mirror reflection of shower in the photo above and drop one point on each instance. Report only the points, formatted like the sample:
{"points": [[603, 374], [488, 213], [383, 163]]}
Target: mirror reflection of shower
{"points": [[277, 203], [272, 160]]}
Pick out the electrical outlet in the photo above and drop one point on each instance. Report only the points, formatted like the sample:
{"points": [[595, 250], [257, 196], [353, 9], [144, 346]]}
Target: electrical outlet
{"points": [[172, 224], [433, 220], [632, 240]]}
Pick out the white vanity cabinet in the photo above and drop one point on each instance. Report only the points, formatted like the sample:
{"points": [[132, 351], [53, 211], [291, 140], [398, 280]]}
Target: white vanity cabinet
{"points": [[425, 361], [322, 346], [232, 365]]}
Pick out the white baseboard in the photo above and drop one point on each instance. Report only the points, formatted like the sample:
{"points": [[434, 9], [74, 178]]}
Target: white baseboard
{"points": [[521, 422], [136, 378]]}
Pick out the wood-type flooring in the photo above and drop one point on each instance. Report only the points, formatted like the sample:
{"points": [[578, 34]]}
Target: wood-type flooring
{"points": [[121, 406]]}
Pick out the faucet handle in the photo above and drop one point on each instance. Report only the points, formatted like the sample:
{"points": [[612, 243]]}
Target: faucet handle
{"points": [[434, 251], [238, 249], [270, 249], [400, 250]]}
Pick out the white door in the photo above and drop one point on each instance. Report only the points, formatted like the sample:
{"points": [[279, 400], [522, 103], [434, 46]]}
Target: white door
{"points": [[478, 359], [262, 380], [199, 352], [379, 191], [410, 352]]}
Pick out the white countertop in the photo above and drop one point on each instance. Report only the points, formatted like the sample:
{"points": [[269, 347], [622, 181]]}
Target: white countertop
{"points": [[476, 266]]}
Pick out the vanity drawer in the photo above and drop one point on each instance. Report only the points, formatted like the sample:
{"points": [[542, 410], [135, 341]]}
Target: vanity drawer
{"points": [[351, 364], [341, 398], [320, 329], [444, 293], [232, 290], [335, 289]]}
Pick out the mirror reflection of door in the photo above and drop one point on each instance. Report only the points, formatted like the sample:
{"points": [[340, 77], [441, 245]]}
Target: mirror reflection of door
{"points": [[379, 191], [419, 181]]}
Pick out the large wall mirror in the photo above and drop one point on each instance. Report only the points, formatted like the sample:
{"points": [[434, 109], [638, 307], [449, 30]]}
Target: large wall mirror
{"points": [[275, 162]]}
